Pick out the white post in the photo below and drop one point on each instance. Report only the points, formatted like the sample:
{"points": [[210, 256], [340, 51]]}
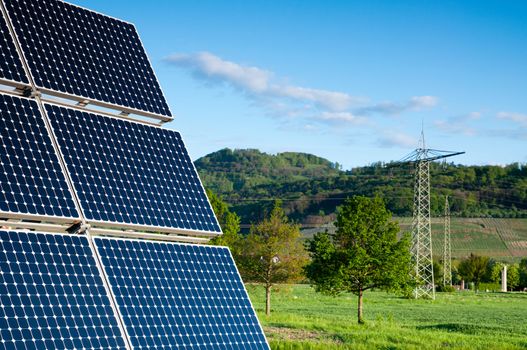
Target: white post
{"points": [[504, 279]]}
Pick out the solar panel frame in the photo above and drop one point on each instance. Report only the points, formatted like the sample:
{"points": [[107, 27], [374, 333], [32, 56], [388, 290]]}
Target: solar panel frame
{"points": [[53, 294], [62, 126], [8, 47], [161, 112], [33, 184], [132, 322]]}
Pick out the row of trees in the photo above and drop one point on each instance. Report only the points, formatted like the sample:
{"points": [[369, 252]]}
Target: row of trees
{"points": [[363, 254], [482, 269]]}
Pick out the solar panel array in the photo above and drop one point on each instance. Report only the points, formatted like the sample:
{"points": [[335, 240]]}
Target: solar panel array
{"points": [[52, 295], [83, 53], [31, 179], [53, 287], [11, 67], [127, 172], [181, 294]]}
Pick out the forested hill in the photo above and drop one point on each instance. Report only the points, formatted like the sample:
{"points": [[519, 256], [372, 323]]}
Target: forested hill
{"points": [[312, 187]]}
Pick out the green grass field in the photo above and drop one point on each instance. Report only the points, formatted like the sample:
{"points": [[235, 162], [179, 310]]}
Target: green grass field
{"points": [[303, 319]]}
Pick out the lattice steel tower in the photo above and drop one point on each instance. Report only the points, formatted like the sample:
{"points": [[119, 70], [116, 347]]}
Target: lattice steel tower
{"points": [[447, 249], [421, 225]]}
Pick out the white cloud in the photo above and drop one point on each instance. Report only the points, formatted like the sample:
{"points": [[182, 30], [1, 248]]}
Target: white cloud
{"points": [[514, 117], [258, 81], [288, 101], [333, 100], [342, 117], [212, 67], [416, 103]]}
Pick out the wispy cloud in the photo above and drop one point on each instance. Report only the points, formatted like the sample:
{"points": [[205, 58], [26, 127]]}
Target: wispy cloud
{"points": [[415, 103], [257, 81], [518, 118], [396, 139], [342, 117], [461, 124], [282, 99]]}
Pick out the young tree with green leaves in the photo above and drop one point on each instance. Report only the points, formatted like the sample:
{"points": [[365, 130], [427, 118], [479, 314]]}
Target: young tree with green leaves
{"points": [[513, 276], [273, 253], [474, 268], [364, 253], [523, 273]]}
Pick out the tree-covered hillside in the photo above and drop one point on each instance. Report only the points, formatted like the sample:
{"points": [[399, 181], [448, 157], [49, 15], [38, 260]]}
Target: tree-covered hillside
{"points": [[312, 187]]}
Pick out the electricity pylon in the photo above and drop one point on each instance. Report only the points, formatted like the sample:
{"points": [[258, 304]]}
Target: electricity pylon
{"points": [[421, 225], [447, 249]]}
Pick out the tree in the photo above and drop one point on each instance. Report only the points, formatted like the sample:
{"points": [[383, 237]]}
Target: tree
{"points": [[229, 223], [495, 272], [474, 269], [513, 276], [273, 253], [523, 273], [364, 253]]}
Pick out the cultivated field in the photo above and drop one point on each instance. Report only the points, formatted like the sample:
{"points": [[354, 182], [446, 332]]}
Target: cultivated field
{"points": [[502, 239], [498, 238], [303, 319]]}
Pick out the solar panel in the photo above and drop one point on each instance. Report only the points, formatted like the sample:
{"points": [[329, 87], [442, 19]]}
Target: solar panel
{"points": [[11, 67], [31, 179], [85, 54], [131, 173], [52, 295], [179, 296]]}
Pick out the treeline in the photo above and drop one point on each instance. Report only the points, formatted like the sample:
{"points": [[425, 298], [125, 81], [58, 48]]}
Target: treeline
{"points": [[481, 272], [312, 187]]}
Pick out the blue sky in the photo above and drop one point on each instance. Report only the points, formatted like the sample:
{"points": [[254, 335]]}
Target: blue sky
{"points": [[346, 80]]}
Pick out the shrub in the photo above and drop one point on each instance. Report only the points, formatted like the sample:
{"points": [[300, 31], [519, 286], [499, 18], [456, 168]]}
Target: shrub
{"points": [[445, 289]]}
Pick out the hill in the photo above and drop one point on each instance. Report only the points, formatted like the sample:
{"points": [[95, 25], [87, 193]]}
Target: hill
{"points": [[312, 187]]}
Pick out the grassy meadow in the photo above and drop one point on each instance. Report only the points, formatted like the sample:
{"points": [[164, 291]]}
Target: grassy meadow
{"points": [[303, 319]]}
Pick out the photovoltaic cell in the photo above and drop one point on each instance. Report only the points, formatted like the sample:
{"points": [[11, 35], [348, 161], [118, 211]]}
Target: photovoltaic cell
{"points": [[31, 178], [132, 173], [179, 296], [83, 53], [11, 67], [52, 295]]}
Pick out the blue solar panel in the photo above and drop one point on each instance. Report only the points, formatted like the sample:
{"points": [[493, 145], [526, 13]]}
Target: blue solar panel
{"points": [[83, 53], [179, 296], [31, 178], [11, 67], [52, 295], [131, 173]]}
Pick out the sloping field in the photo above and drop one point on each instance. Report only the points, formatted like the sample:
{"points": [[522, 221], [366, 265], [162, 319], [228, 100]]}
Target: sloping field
{"points": [[497, 238]]}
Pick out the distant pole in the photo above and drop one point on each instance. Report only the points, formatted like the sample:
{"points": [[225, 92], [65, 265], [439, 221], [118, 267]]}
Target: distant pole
{"points": [[447, 250], [504, 278]]}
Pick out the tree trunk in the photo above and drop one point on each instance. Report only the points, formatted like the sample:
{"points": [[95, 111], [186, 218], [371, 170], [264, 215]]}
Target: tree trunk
{"points": [[268, 299], [359, 310]]}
